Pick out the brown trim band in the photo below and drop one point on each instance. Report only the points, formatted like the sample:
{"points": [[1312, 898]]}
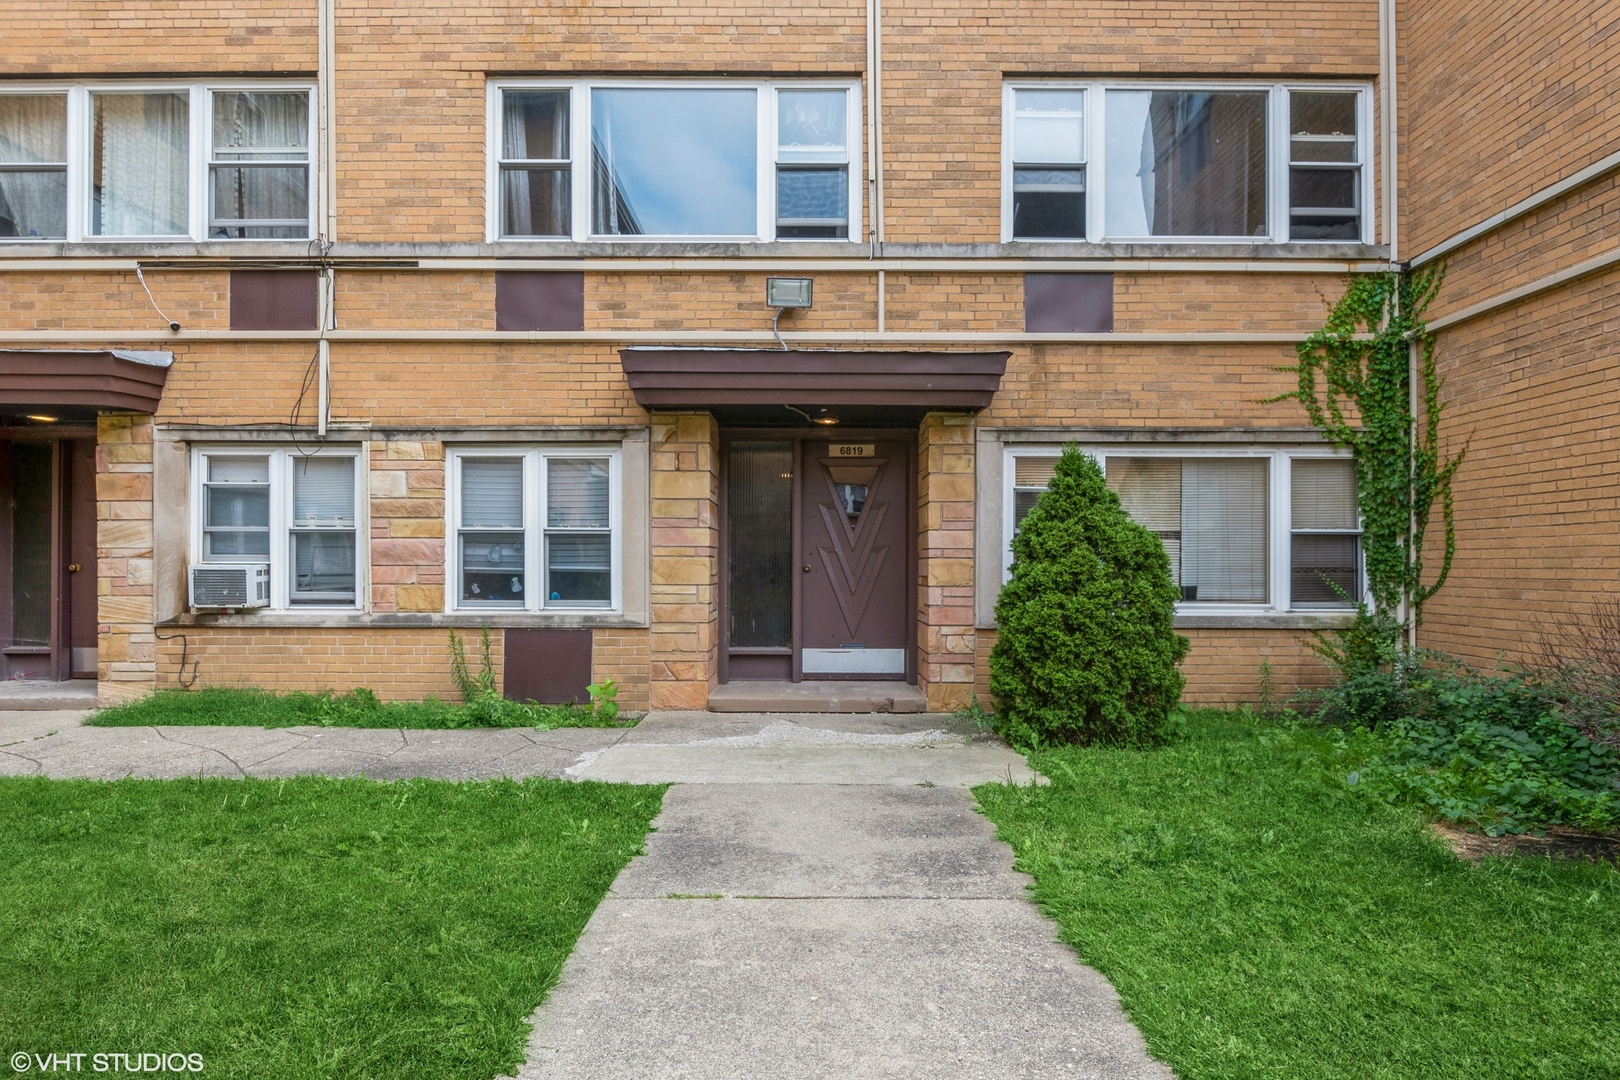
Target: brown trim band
{"points": [[687, 378], [98, 380]]}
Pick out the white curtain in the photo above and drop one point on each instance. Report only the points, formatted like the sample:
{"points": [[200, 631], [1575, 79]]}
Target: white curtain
{"points": [[33, 130], [140, 167]]}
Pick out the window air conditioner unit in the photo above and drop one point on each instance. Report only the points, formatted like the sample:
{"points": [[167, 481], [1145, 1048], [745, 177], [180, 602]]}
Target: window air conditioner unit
{"points": [[230, 585]]}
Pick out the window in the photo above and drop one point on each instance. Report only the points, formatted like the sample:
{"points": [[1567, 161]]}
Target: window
{"points": [[525, 517], [299, 513], [258, 178], [621, 159], [165, 162], [1049, 170], [812, 164], [1183, 162], [1272, 528], [33, 166], [1325, 560], [535, 153], [1324, 167]]}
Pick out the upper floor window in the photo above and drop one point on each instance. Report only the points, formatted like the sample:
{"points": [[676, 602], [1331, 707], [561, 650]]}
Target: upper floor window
{"points": [[621, 159], [1276, 529], [169, 162], [1184, 163]]}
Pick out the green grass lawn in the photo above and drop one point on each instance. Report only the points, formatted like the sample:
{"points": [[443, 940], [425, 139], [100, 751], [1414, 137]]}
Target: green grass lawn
{"points": [[1260, 919], [299, 928], [248, 707]]}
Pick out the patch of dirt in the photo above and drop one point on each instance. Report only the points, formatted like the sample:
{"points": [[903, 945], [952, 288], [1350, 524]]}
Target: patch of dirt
{"points": [[1559, 843]]}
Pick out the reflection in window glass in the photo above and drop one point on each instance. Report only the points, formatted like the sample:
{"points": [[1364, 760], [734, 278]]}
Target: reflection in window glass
{"points": [[33, 165], [140, 154], [1324, 174], [1049, 175], [672, 162], [812, 156], [1186, 163], [535, 199], [259, 177]]}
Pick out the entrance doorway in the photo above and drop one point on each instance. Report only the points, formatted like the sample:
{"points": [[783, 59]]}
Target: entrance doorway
{"points": [[819, 557], [48, 558]]}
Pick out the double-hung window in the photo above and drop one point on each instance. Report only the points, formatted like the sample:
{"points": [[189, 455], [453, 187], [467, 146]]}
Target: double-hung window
{"points": [[1137, 162], [33, 166], [613, 159], [299, 514], [535, 530], [1265, 529], [156, 162]]}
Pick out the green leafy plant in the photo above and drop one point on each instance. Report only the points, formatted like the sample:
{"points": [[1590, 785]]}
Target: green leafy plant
{"points": [[1086, 650], [1355, 383], [604, 700], [1491, 752], [977, 715]]}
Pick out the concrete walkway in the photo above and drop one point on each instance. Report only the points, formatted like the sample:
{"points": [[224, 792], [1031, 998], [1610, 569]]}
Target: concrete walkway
{"points": [[819, 898]]}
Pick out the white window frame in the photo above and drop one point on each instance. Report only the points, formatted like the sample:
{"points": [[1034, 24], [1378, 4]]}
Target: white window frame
{"points": [[1279, 512], [534, 530], [579, 119], [1278, 151], [201, 114], [282, 461]]}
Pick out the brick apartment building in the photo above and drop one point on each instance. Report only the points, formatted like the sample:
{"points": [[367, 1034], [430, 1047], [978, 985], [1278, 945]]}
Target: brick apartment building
{"points": [[472, 326]]}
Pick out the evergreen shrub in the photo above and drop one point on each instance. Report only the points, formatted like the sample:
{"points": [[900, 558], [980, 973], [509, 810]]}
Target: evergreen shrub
{"points": [[1086, 651]]}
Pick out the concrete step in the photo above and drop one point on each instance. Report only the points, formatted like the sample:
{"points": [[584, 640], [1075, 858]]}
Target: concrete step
{"points": [[37, 695], [817, 697]]}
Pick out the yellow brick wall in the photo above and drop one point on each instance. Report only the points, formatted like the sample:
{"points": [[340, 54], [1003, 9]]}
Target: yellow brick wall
{"points": [[1222, 665], [407, 526], [685, 548], [945, 493], [126, 646]]}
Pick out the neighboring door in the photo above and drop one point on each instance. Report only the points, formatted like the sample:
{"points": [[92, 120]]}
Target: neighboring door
{"points": [[48, 559], [855, 521]]}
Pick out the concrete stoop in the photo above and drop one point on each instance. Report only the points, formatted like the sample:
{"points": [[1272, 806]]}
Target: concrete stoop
{"points": [[817, 697]]}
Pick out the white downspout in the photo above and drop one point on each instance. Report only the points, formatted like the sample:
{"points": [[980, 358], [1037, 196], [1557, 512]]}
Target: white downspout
{"points": [[874, 143], [1386, 85]]}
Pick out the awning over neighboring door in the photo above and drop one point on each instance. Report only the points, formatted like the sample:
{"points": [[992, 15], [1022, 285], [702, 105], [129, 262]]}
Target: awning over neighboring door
{"points": [[76, 383], [668, 378]]}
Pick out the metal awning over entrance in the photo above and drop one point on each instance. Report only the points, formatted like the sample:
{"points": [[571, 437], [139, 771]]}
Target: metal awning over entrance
{"points": [[74, 384], [743, 380]]}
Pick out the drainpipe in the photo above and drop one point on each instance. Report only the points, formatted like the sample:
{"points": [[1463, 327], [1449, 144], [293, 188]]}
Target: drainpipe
{"points": [[874, 141], [326, 200], [1386, 86]]}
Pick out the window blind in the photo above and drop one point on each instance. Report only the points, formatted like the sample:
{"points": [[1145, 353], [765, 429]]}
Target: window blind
{"points": [[1033, 472], [1324, 493], [1223, 529], [1149, 491], [577, 493], [491, 494], [323, 492], [239, 470]]}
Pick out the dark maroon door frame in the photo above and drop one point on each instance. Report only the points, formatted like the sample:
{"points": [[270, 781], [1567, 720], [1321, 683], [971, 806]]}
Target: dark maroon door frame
{"points": [[893, 585]]}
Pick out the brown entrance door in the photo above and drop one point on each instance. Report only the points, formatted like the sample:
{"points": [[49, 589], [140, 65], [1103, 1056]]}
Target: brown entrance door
{"points": [[47, 559], [855, 524]]}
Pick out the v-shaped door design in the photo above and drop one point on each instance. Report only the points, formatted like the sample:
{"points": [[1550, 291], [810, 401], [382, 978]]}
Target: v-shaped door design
{"points": [[855, 504]]}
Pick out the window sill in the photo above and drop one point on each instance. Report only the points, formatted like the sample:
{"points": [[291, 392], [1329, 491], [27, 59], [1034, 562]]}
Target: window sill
{"points": [[1264, 620], [396, 620]]}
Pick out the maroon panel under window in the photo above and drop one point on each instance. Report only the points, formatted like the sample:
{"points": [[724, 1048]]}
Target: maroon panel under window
{"points": [[274, 300], [543, 300], [549, 666], [1069, 303]]}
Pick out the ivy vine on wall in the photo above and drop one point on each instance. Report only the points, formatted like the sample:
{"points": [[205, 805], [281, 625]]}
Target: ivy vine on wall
{"points": [[1355, 385]]}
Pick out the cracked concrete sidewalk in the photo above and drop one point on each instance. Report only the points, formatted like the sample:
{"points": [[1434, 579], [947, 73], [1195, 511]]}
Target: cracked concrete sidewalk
{"points": [[819, 898]]}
